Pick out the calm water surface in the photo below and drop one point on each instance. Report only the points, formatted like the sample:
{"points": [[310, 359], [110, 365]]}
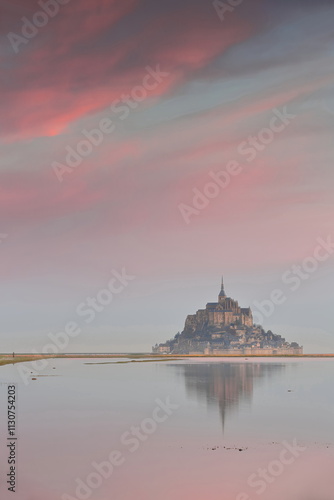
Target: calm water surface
{"points": [[223, 437]]}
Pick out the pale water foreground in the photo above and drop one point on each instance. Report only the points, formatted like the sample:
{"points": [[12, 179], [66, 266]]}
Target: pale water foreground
{"points": [[187, 429]]}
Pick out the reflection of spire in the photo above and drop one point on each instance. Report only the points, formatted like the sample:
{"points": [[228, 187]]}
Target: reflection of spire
{"points": [[222, 291], [226, 384]]}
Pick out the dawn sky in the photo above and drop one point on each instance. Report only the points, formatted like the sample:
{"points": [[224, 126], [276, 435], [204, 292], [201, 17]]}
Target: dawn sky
{"points": [[174, 140]]}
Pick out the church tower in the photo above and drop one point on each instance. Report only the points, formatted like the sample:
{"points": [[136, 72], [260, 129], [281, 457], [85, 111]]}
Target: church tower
{"points": [[222, 294]]}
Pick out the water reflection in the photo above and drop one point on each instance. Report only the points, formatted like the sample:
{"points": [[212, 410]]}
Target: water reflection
{"points": [[226, 384]]}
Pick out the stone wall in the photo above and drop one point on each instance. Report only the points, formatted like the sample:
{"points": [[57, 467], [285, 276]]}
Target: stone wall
{"points": [[255, 352]]}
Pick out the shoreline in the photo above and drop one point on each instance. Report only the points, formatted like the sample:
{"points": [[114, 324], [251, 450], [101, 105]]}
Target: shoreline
{"points": [[6, 359]]}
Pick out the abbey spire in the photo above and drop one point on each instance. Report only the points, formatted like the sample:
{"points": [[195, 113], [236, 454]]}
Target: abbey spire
{"points": [[222, 291]]}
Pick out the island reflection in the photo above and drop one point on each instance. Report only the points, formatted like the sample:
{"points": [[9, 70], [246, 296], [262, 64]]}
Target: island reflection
{"points": [[225, 384]]}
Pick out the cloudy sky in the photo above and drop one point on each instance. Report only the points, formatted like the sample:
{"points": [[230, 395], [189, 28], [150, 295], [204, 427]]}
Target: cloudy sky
{"points": [[183, 91]]}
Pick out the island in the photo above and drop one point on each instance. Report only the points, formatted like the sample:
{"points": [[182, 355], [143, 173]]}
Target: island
{"points": [[225, 328]]}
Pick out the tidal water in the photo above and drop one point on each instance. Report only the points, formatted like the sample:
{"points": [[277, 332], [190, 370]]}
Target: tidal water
{"points": [[231, 429]]}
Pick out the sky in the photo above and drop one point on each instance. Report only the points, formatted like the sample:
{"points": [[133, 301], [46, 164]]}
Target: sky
{"points": [[169, 142]]}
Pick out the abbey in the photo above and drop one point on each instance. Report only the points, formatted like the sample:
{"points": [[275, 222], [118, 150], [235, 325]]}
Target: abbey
{"points": [[223, 313], [224, 327]]}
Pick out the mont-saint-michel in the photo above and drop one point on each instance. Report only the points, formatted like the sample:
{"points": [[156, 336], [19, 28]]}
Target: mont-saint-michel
{"points": [[224, 327]]}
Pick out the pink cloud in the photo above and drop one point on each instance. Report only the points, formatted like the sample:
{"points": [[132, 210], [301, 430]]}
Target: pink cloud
{"points": [[64, 82]]}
